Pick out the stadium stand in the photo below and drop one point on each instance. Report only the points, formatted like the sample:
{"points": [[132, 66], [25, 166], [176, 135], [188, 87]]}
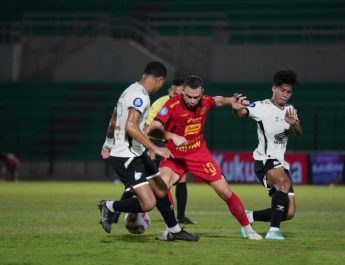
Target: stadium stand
{"points": [[247, 21], [68, 121], [44, 119]]}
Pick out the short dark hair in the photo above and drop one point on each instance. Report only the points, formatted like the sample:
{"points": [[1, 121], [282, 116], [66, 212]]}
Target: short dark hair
{"points": [[285, 77], [177, 82], [194, 82], [156, 69]]}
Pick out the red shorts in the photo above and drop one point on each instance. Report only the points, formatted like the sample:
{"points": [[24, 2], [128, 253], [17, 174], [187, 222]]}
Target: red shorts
{"points": [[12, 162], [200, 163]]}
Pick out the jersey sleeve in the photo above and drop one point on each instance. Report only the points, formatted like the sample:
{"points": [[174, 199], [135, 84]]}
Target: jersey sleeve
{"points": [[210, 101], [256, 110], [155, 108], [138, 102], [164, 113]]}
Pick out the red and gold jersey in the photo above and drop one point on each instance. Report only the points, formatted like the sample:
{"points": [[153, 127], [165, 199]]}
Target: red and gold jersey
{"points": [[177, 118]]}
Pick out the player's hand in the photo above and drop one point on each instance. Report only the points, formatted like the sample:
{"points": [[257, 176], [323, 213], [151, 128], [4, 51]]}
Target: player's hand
{"points": [[151, 154], [291, 116], [239, 101], [163, 152], [105, 153], [106, 148], [179, 140]]}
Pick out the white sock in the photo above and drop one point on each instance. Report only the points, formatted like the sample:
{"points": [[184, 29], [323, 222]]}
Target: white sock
{"points": [[174, 229], [250, 216], [273, 229], [248, 228], [109, 205]]}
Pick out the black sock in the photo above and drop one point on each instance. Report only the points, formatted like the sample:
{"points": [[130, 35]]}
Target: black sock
{"points": [[262, 215], [167, 211], [181, 199], [128, 206], [126, 195], [279, 203]]}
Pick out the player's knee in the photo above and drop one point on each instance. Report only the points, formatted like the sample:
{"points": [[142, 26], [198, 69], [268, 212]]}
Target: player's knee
{"points": [[290, 216], [148, 205], [225, 194], [161, 193], [283, 185]]}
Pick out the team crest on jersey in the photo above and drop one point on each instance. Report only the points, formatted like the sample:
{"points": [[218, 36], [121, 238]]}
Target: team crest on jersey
{"points": [[138, 102], [202, 111], [163, 111], [252, 105]]}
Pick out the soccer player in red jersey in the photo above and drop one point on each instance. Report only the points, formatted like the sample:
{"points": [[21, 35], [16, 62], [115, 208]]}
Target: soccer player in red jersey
{"points": [[10, 166], [181, 122]]}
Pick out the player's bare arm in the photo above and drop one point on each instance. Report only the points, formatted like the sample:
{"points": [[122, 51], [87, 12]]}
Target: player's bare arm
{"points": [[237, 101], [109, 140], [112, 124], [157, 130], [291, 118], [133, 130], [241, 112]]}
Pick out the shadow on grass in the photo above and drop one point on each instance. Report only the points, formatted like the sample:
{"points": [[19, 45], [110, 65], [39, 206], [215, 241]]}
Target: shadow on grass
{"points": [[128, 238]]}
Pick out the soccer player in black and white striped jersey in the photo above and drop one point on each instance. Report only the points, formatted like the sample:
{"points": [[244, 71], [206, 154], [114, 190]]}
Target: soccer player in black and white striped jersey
{"points": [[275, 119], [126, 152]]}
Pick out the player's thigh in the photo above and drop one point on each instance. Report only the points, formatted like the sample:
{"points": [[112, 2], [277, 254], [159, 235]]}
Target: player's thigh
{"points": [[169, 176], [153, 176], [131, 171], [222, 188], [146, 197], [202, 165], [171, 171], [158, 186], [183, 179], [278, 178]]}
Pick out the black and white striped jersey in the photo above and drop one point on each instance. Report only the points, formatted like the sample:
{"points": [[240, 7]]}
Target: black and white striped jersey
{"points": [[272, 130], [134, 97]]}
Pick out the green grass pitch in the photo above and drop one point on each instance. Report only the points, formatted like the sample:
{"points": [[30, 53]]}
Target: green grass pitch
{"points": [[57, 223]]}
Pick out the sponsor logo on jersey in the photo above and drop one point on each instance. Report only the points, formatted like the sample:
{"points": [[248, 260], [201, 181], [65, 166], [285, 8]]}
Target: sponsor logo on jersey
{"points": [[192, 129], [281, 138], [185, 148], [163, 111], [138, 102], [174, 104], [194, 120], [278, 119], [252, 105], [137, 175]]}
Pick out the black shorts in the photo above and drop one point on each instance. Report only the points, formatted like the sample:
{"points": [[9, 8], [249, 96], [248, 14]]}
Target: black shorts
{"points": [[261, 169], [160, 143], [134, 171]]}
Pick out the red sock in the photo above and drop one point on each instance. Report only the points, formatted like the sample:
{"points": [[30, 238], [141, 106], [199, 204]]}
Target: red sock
{"points": [[237, 210], [171, 199]]}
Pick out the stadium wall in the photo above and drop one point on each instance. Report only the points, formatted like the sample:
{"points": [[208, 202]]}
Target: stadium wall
{"points": [[258, 63], [83, 59], [9, 62], [238, 167], [106, 59]]}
